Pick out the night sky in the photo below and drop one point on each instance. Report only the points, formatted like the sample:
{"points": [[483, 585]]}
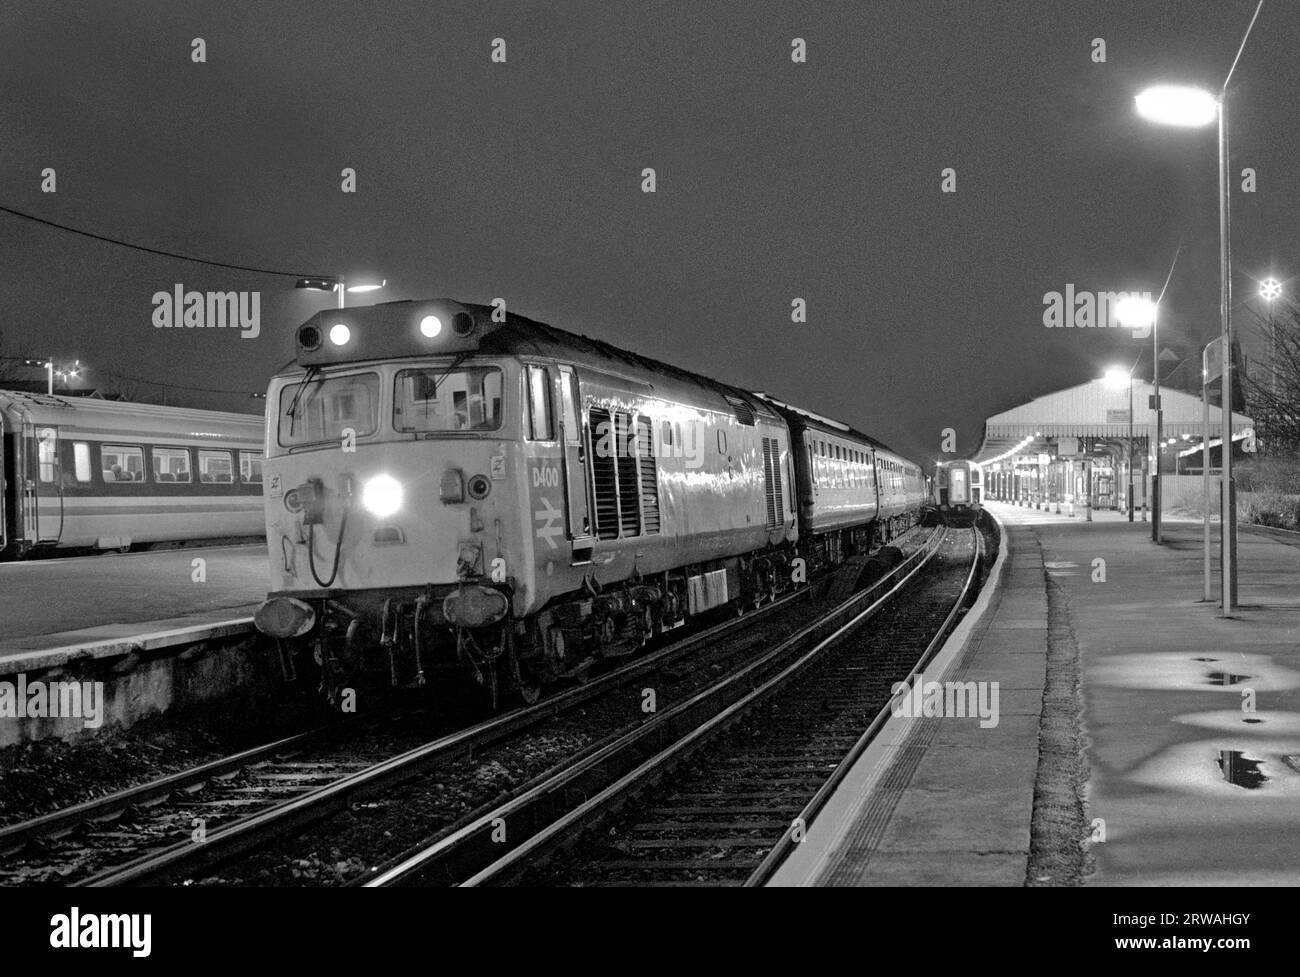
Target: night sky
{"points": [[775, 180]]}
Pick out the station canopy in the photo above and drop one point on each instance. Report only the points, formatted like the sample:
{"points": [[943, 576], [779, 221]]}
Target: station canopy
{"points": [[1099, 410]]}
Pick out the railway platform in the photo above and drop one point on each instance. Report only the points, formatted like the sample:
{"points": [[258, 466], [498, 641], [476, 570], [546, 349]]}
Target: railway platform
{"points": [[1141, 739], [154, 628], [47, 604]]}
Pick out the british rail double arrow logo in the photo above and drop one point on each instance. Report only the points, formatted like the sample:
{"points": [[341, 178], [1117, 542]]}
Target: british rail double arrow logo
{"points": [[548, 516]]}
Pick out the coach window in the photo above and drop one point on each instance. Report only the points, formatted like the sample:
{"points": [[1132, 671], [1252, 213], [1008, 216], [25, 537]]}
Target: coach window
{"points": [[250, 467], [215, 467], [81, 461], [171, 464], [122, 463], [47, 441], [539, 404]]}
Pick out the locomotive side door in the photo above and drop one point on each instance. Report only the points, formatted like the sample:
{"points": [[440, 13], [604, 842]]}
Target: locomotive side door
{"points": [[576, 501]]}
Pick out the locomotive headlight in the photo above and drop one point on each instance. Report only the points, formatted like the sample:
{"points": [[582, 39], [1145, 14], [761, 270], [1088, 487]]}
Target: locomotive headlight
{"points": [[430, 326], [340, 334], [382, 495]]}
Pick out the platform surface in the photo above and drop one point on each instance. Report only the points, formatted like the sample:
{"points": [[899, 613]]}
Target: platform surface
{"points": [[47, 604], [1191, 788]]}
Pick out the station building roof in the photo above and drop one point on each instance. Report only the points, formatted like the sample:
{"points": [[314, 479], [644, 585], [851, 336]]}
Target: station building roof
{"points": [[1098, 409]]}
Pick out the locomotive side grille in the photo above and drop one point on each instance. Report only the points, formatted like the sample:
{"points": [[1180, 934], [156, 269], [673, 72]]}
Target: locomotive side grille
{"points": [[645, 454], [604, 474], [743, 409], [628, 504], [772, 483]]}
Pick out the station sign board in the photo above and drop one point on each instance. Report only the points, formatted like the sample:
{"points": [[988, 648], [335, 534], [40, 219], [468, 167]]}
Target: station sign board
{"points": [[1212, 360]]}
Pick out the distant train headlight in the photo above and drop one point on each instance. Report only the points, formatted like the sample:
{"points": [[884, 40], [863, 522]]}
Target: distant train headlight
{"points": [[382, 495], [340, 334], [430, 326]]}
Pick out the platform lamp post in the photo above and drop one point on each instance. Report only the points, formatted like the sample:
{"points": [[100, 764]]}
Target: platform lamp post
{"points": [[329, 284], [1193, 108], [1135, 312], [1116, 378], [1270, 289]]}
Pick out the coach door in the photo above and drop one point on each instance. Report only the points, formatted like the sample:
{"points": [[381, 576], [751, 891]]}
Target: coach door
{"points": [[577, 504], [46, 484]]}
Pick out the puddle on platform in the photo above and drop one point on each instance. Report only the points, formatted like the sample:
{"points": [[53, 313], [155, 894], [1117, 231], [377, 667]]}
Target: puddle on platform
{"points": [[1225, 678], [1181, 672], [1241, 770], [1231, 721], [1269, 769]]}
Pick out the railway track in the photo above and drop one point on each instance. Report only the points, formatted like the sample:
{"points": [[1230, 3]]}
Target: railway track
{"points": [[504, 842], [248, 800]]}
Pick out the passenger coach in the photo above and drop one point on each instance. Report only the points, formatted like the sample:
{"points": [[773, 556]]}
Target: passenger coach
{"points": [[79, 473]]}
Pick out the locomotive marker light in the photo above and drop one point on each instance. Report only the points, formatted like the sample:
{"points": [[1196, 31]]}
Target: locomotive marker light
{"points": [[382, 495]]}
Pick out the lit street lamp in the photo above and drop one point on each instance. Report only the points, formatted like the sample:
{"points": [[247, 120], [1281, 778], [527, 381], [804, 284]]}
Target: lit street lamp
{"points": [[328, 284], [1270, 289], [1176, 105]]}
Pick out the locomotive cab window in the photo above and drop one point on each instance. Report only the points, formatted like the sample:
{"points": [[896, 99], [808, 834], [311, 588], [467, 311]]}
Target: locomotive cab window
{"points": [[438, 400], [321, 409], [539, 404]]}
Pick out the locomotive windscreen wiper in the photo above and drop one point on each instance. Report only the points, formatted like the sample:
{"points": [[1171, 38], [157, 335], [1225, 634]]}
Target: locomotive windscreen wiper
{"points": [[459, 358], [302, 386], [456, 361]]}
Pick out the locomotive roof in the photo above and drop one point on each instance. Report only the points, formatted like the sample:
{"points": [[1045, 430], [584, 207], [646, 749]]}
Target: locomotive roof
{"points": [[442, 327], [391, 330]]}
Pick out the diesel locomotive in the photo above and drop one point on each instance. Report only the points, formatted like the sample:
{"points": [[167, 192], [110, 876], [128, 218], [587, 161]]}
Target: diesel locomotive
{"points": [[449, 486]]}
